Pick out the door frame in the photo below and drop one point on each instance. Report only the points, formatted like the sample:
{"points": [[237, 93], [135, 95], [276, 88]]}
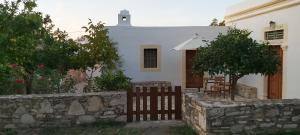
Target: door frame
{"points": [[283, 43]]}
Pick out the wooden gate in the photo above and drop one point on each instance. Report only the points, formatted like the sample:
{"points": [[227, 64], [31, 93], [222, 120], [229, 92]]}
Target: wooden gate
{"points": [[156, 102]]}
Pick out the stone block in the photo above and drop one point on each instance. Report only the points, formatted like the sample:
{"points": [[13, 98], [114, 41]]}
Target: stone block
{"points": [[86, 119], [46, 107], [20, 111], [290, 126], [94, 104], [236, 129], [266, 125], [10, 126], [76, 108], [27, 119], [296, 118]]}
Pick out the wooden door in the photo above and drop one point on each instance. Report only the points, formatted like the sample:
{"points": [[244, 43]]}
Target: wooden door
{"points": [[192, 80], [275, 81]]}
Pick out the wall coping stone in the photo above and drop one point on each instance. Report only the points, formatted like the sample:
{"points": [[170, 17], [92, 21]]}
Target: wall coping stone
{"points": [[60, 95], [211, 103]]}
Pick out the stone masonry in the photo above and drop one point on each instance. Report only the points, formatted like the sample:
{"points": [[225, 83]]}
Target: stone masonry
{"points": [[61, 109], [246, 91], [240, 117]]}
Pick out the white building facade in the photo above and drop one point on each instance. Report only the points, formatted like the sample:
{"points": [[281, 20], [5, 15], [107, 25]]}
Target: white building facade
{"points": [[275, 21], [147, 52]]}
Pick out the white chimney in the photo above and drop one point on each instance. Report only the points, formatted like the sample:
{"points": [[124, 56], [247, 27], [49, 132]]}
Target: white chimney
{"points": [[124, 18]]}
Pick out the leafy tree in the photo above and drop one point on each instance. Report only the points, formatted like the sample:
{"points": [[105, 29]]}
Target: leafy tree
{"points": [[236, 54], [31, 48], [28, 41], [215, 22], [98, 50]]}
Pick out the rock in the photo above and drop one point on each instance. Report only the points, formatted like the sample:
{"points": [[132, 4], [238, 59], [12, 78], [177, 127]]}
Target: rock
{"points": [[216, 112], [266, 125], [19, 111], [122, 118], [4, 116], [10, 126], [109, 113], [27, 119], [287, 113], [46, 107], [76, 108], [94, 104], [272, 113], [60, 106], [121, 100], [236, 129], [296, 118], [86, 119], [290, 126]]}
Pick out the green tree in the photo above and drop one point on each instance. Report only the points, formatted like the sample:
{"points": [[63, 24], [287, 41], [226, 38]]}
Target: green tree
{"points": [[215, 22], [98, 50], [28, 41], [236, 54]]}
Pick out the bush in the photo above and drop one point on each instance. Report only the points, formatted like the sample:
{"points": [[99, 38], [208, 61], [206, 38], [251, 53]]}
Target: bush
{"points": [[112, 80]]}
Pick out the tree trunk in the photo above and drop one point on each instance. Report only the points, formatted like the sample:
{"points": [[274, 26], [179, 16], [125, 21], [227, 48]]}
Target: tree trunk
{"points": [[233, 88], [28, 83]]}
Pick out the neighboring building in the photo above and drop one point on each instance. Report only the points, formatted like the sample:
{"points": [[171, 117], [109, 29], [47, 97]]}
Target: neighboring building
{"points": [[147, 52], [276, 21]]}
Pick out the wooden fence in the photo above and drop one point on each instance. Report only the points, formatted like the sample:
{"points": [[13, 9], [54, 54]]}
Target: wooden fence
{"points": [[164, 102]]}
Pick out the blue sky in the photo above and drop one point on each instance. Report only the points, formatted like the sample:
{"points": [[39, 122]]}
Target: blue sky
{"points": [[71, 15]]}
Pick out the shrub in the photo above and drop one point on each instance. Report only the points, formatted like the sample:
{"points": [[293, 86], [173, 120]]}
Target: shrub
{"points": [[112, 80]]}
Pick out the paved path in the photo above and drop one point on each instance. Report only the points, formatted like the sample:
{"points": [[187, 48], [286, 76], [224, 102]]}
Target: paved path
{"points": [[155, 127]]}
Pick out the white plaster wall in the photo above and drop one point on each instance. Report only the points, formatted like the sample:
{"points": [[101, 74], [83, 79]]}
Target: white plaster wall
{"points": [[290, 17], [130, 39]]}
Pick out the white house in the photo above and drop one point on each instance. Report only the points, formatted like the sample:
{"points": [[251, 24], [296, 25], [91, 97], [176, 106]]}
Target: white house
{"points": [[147, 52], [276, 21]]}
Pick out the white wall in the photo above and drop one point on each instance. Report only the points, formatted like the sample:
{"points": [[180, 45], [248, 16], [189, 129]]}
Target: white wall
{"points": [[291, 18], [130, 39]]}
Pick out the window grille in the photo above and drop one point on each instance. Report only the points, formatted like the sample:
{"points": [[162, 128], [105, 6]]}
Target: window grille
{"points": [[150, 58], [274, 35]]}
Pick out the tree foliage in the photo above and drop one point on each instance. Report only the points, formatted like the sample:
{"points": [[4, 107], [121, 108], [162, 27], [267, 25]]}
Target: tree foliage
{"points": [[30, 47], [237, 55], [98, 48], [215, 22]]}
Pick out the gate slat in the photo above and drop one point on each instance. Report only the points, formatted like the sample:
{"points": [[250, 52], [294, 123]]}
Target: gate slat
{"points": [[129, 105], [153, 103], [162, 103], [178, 103], [138, 104], [145, 103], [169, 103]]}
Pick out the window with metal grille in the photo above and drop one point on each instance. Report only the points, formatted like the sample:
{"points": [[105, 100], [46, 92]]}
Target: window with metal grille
{"points": [[150, 58], [274, 35]]}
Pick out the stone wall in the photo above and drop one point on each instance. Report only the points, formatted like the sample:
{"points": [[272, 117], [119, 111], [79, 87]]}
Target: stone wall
{"points": [[246, 91], [240, 118], [61, 110], [152, 84]]}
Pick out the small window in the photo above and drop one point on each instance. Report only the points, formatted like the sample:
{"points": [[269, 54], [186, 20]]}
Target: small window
{"points": [[150, 58], [274, 35]]}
